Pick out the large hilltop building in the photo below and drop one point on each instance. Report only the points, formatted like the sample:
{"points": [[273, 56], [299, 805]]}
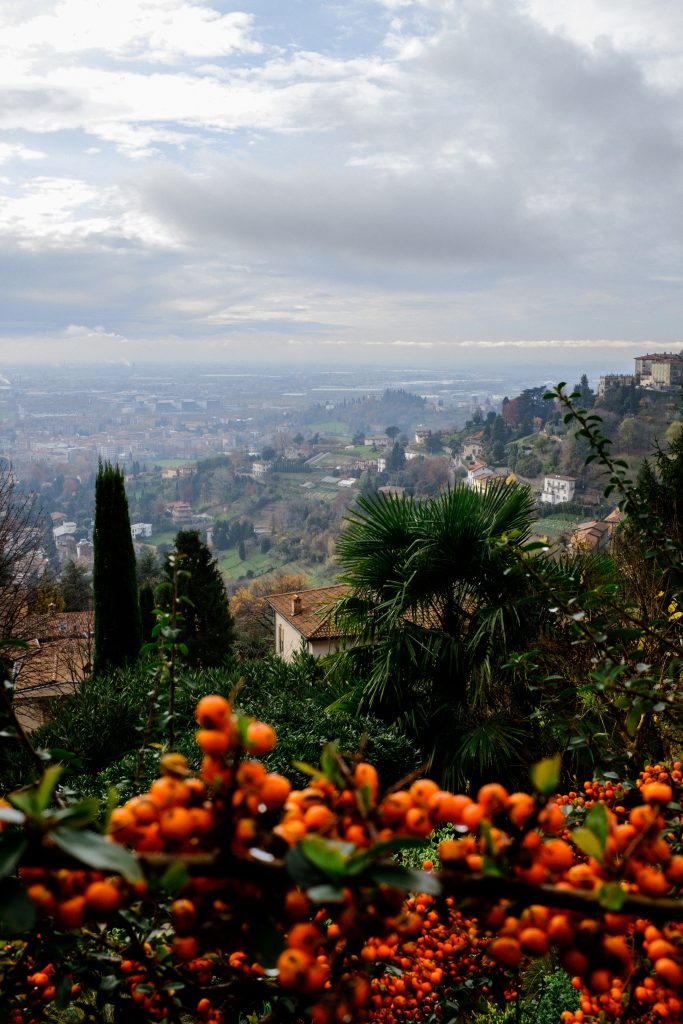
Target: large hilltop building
{"points": [[659, 370]]}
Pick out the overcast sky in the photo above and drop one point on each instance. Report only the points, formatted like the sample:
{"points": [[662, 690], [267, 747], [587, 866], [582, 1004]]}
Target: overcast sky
{"points": [[403, 180]]}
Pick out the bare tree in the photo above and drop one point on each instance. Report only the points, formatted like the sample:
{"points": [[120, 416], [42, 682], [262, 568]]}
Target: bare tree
{"points": [[23, 562]]}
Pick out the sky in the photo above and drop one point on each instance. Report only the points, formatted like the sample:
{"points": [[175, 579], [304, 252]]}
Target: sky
{"points": [[443, 182]]}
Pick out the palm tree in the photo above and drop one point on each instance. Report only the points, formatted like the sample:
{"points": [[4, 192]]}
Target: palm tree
{"points": [[439, 599]]}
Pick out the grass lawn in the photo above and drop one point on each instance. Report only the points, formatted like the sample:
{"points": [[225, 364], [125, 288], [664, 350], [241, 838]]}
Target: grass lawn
{"points": [[165, 537], [172, 463], [232, 568], [557, 526], [334, 427]]}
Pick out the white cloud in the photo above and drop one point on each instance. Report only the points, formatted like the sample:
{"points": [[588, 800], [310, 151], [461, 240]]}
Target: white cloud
{"points": [[153, 30]]}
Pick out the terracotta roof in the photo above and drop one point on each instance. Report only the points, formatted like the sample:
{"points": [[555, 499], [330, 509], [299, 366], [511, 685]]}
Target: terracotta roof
{"points": [[47, 666], [313, 621], [591, 535], [56, 626]]}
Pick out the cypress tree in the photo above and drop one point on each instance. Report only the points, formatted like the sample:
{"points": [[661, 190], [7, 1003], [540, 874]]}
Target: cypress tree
{"points": [[209, 629], [118, 634]]}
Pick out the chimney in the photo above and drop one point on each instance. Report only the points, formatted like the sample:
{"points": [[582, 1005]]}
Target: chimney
{"points": [[296, 605], [52, 607]]}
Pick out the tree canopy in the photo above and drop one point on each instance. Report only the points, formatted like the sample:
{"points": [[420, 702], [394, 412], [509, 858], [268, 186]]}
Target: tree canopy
{"points": [[209, 630], [118, 630]]}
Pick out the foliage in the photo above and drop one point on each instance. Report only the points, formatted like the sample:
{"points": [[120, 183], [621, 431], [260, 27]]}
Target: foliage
{"points": [[118, 630], [208, 629], [75, 588], [438, 603], [159, 919]]}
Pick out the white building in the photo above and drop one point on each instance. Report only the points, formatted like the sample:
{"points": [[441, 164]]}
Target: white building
{"points": [[478, 475], [304, 618], [140, 530], [557, 489]]}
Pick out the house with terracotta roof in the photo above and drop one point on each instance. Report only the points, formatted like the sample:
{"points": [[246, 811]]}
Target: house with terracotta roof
{"points": [[305, 618], [57, 656]]}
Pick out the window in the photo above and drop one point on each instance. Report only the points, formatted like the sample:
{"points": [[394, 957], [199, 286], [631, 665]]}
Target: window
{"points": [[280, 639]]}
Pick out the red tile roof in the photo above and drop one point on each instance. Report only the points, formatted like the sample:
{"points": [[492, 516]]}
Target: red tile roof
{"points": [[313, 621]]}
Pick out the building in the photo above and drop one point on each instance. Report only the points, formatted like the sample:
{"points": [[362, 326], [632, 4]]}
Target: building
{"points": [[140, 530], [303, 619], [421, 435], [57, 657], [557, 489], [181, 513], [659, 370], [261, 468], [614, 380], [472, 448], [478, 475], [595, 535]]}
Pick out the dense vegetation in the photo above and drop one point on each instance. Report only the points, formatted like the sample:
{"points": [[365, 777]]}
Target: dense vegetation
{"points": [[476, 650]]}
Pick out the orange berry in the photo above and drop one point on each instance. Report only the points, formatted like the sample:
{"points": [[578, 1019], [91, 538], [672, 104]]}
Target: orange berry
{"points": [[557, 855], [422, 791], [418, 822], [520, 808], [472, 815], [274, 790], [213, 712], [534, 940], [102, 898], [71, 913], [261, 738], [293, 966], [183, 915], [652, 882], [175, 824], [318, 818], [213, 742], [657, 793], [493, 798], [506, 951], [365, 775], [304, 936], [394, 806], [185, 948], [123, 825]]}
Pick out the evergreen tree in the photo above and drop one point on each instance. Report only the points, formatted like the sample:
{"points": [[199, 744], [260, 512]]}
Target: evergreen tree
{"points": [[209, 630], [75, 588], [241, 551], [118, 634], [147, 616]]}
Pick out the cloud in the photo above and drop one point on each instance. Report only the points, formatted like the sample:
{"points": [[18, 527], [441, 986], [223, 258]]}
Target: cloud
{"points": [[416, 174]]}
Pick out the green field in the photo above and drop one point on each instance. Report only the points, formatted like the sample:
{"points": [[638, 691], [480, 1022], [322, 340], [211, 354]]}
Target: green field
{"points": [[554, 527]]}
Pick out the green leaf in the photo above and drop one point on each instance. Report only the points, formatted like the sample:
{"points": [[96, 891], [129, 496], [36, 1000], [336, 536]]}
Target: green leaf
{"points": [[324, 855], [97, 852], [545, 775], [24, 800], [17, 913], [174, 877], [597, 822], [492, 868], [588, 843], [633, 718], [12, 847], [300, 869], [63, 992], [308, 769], [361, 860], [47, 786], [612, 896], [77, 815], [405, 879], [329, 764]]}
